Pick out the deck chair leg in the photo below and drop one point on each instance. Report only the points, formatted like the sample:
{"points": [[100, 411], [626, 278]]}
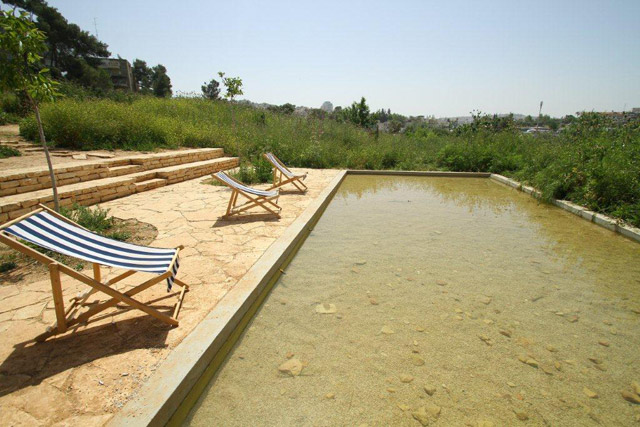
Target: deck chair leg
{"points": [[96, 272], [176, 312], [58, 301], [230, 204]]}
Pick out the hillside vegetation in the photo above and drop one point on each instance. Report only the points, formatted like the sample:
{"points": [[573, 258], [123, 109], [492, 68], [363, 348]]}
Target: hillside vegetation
{"points": [[592, 161]]}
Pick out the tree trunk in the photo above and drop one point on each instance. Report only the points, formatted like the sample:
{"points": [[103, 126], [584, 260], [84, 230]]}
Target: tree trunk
{"points": [[56, 202], [233, 120]]}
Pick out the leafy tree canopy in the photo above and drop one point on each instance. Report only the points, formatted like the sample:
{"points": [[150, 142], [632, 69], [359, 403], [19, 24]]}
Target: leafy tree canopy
{"points": [[233, 85], [160, 81], [71, 52], [283, 109], [211, 90], [152, 80], [358, 113], [21, 49]]}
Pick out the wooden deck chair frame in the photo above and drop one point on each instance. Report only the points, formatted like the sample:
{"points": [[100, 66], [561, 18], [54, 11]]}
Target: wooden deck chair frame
{"points": [[270, 204], [280, 179], [65, 318]]}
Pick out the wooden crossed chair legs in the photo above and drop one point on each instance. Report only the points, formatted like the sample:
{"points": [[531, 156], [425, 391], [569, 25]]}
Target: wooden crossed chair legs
{"points": [[48, 229], [256, 198]]}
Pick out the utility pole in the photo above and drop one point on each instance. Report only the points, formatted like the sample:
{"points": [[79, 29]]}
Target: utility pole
{"points": [[539, 116]]}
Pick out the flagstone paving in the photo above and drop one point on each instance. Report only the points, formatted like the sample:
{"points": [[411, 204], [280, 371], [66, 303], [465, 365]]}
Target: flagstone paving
{"points": [[84, 376]]}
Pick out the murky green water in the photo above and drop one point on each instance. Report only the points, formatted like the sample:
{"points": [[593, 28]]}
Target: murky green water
{"points": [[502, 308]]}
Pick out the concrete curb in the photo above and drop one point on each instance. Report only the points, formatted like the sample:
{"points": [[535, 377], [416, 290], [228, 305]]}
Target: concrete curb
{"points": [[161, 396]]}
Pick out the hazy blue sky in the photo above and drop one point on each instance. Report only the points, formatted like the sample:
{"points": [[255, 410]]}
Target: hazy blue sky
{"points": [[441, 58]]}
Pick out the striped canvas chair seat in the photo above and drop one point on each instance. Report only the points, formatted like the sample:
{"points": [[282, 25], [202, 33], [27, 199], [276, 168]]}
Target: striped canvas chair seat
{"points": [[283, 176], [47, 231], [265, 199], [235, 184], [275, 162]]}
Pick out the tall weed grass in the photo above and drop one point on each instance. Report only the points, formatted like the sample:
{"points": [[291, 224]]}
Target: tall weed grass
{"points": [[592, 163]]}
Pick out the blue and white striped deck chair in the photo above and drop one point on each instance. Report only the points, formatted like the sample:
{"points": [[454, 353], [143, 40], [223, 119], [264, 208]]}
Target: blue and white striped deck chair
{"points": [[48, 229], [266, 199], [282, 175]]}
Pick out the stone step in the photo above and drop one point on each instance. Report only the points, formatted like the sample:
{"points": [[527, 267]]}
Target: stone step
{"points": [[31, 179], [144, 176], [105, 189], [124, 170], [149, 184], [17, 144], [179, 173]]}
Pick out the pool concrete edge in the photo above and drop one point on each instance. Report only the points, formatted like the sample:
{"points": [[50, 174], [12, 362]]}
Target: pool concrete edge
{"points": [[584, 213], [163, 393], [421, 173]]}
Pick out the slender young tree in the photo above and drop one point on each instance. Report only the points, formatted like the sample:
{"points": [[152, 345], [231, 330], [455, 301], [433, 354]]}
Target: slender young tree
{"points": [[233, 86], [21, 49]]}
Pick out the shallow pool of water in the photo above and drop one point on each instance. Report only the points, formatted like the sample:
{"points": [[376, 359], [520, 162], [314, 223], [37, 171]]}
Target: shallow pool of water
{"points": [[455, 301]]}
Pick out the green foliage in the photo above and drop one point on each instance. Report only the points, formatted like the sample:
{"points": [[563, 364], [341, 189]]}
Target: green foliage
{"points": [[487, 123], [76, 91], [96, 219], [160, 81], [257, 173], [211, 90], [358, 114], [7, 263], [8, 152], [91, 77], [283, 109], [14, 106], [21, 48], [233, 86], [142, 75], [151, 81], [592, 161], [263, 170], [71, 52]]}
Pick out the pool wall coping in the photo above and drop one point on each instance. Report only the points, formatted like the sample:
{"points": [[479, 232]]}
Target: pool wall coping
{"points": [[421, 173], [162, 394]]}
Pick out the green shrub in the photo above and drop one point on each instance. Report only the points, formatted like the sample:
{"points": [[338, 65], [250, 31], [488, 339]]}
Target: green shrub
{"points": [[263, 170], [8, 152], [96, 219], [7, 263]]}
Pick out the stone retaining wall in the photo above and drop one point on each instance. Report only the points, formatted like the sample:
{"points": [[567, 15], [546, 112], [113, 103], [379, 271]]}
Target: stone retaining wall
{"points": [[89, 193], [12, 182]]}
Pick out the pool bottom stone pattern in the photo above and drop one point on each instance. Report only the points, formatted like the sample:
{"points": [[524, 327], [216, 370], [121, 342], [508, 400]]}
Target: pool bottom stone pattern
{"points": [[418, 300]]}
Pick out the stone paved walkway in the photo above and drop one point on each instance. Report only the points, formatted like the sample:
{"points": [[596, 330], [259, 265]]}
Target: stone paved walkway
{"points": [[84, 376]]}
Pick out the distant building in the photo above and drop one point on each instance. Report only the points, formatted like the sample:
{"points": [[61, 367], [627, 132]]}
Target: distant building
{"points": [[120, 72], [327, 106]]}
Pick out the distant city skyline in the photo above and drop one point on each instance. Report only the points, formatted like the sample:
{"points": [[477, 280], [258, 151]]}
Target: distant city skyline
{"points": [[415, 57]]}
